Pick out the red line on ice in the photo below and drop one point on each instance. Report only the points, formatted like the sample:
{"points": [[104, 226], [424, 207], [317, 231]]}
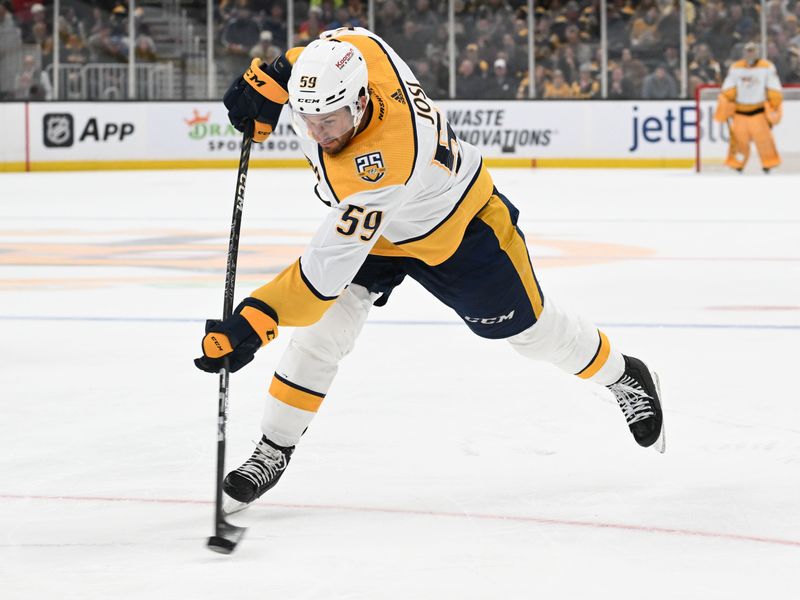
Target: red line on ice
{"points": [[435, 513]]}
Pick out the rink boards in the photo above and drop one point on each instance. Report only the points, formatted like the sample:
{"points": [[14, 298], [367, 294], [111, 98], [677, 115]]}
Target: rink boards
{"points": [[45, 136]]}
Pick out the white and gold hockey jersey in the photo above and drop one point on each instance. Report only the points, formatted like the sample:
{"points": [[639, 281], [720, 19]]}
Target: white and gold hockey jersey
{"points": [[404, 187], [751, 86]]}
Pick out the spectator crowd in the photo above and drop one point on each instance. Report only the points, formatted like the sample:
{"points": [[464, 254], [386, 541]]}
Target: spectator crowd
{"points": [[492, 37], [491, 41], [95, 31], [643, 39]]}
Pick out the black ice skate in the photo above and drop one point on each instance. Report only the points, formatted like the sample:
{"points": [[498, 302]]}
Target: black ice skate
{"points": [[258, 474], [638, 394]]}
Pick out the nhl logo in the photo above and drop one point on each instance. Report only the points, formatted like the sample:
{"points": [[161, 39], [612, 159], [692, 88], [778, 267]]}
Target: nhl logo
{"points": [[58, 130], [370, 167]]}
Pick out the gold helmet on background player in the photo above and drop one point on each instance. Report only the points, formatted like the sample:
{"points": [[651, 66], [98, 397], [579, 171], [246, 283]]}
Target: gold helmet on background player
{"points": [[328, 93]]}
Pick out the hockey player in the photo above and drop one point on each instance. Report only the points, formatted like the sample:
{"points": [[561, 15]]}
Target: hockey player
{"points": [[407, 198], [752, 95]]}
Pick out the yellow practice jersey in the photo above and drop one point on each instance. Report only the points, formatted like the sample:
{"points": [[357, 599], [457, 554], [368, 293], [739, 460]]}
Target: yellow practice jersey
{"points": [[751, 86], [404, 186]]}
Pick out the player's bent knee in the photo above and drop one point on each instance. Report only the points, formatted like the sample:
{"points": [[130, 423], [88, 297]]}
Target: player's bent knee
{"points": [[312, 358]]}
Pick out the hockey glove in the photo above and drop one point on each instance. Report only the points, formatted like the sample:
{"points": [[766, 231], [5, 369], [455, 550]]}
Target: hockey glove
{"points": [[253, 324], [256, 98]]}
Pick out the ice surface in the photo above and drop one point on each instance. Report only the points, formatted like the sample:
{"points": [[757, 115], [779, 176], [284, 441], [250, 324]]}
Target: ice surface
{"points": [[441, 465]]}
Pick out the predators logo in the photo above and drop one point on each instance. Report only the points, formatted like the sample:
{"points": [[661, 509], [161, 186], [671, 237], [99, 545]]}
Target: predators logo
{"points": [[370, 167]]}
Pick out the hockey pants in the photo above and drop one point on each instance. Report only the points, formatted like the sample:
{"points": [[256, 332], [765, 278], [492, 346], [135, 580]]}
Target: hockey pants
{"points": [[749, 129]]}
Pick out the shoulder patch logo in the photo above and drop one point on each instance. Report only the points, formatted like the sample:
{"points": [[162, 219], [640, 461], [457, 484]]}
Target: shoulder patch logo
{"points": [[370, 167], [398, 95]]}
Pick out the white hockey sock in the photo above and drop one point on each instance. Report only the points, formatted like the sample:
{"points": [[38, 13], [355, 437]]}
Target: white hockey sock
{"points": [[571, 343], [284, 424]]}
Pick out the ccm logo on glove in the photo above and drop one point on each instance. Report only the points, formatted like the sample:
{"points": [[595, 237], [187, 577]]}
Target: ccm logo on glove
{"points": [[253, 324], [216, 345]]}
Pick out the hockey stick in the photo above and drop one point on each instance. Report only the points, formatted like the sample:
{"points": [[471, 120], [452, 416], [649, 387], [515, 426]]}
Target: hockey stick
{"points": [[226, 536]]}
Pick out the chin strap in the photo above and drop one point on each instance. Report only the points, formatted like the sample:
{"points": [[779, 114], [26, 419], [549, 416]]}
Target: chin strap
{"points": [[357, 118]]}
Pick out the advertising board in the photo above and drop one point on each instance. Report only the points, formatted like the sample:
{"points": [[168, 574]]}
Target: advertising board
{"points": [[13, 146], [116, 135]]}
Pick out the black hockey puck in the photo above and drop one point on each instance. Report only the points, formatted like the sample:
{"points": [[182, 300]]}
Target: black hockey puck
{"points": [[221, 545]]}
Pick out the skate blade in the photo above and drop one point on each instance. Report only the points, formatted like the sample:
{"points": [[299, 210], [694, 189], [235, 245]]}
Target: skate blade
{"points": [[231, 506], [660, 445]]}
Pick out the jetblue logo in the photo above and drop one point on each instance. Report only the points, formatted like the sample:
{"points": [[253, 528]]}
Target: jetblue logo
{"points": [[671, 127], [675, 126], [490, 320]]}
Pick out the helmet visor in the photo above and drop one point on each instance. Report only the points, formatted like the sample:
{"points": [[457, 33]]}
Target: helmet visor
{"points": [[325, 128]]}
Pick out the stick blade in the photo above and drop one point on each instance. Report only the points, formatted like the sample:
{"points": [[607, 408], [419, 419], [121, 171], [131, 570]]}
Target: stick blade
{"points": [[228, 536]]}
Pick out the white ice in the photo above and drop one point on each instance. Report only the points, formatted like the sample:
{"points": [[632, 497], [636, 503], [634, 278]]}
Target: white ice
{"points": [[441, 465]]}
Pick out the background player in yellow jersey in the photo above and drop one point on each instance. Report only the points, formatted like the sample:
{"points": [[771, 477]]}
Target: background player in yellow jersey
{"points": [[752, 96], [407, 198]]}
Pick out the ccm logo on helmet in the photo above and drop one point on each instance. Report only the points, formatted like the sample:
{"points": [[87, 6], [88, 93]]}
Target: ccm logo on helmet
{"points": [[345, 59]]}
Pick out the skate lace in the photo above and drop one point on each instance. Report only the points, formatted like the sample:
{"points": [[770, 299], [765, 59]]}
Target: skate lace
{"points": [[632, 399], [265, 463]]}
